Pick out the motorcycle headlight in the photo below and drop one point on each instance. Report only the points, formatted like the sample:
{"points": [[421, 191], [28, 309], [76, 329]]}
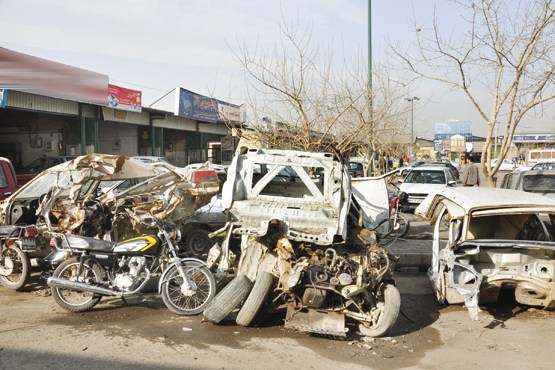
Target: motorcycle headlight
{"points": [[176, 235]]}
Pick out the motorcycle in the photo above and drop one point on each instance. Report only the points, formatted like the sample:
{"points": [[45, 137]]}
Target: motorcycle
{"points": [[18, 245], [95, 268]]}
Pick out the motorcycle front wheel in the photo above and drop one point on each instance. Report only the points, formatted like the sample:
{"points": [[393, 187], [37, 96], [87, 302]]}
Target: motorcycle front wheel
{"points": [[389, 305], [17, 267], [188, 300], [403, 225], [74, 300]]}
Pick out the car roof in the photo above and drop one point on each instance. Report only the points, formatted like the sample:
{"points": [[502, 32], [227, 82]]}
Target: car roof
{"points": [[431, 168], [472, 198]]}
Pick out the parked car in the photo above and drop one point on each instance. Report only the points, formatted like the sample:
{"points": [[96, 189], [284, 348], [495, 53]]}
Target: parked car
{"points": [[506, 165], [544, 166], [447, 164], [8, 179], [497, 239], [355, 169], [27, 173], [422, 181], [533, 181], [406, 169]]}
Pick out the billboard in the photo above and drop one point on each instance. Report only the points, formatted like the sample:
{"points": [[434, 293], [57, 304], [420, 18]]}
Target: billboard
{"points": [[43, 77], [202, 108], [3, 97], [124, 99]]}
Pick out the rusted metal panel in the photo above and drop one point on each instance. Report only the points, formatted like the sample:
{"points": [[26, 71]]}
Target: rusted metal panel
{"points": [[39, 103]]}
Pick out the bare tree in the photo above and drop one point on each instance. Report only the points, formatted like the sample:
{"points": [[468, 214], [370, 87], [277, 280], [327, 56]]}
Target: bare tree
{"points": [[298, 100], [508, 49]]}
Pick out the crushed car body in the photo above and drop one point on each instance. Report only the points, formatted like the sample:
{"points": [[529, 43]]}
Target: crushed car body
{"points": [[100, 195], [496, 239], [300, 234]]}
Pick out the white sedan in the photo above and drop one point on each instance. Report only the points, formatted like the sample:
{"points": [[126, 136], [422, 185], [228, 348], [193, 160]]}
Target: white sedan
{"points": [[506, 165], [422, 181]]}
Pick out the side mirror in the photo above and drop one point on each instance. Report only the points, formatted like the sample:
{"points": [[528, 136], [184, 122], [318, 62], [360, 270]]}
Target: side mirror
{"points": [[399, 181], [452, 183]]}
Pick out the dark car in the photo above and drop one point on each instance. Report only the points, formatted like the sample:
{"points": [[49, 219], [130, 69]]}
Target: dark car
{"points": [[27, 173], [544, 166], [356, 169]]}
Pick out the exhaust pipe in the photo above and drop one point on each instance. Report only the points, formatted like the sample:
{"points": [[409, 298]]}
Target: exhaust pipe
{"points": [[74, 285]]}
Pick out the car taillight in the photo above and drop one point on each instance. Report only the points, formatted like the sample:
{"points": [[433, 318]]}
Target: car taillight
{"points": [[10, 242], [205, 175], [31, 232]]}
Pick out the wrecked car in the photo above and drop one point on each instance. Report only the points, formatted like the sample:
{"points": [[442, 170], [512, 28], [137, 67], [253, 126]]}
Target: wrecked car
{"points": [[99, 195], [304, 243], [495, 239]]}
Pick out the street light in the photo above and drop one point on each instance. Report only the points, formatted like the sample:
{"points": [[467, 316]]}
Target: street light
{"points": [[411, 100]]}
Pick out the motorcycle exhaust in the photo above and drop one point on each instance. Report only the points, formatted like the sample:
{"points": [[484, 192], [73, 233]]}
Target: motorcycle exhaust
{"points": [[55, 282]]}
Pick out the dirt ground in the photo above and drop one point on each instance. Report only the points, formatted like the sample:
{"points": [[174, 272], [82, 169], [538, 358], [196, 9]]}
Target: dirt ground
{"points": [[35, 333]]}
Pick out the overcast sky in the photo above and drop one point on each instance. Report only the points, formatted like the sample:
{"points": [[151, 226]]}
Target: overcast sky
{"points": [[155, 46]]}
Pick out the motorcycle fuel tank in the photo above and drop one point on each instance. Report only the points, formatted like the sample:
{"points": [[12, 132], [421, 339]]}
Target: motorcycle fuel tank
{"points": [[147, 245]]}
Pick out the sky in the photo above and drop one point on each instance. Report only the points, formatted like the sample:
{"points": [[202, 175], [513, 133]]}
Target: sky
{"points": [[157, 45]]}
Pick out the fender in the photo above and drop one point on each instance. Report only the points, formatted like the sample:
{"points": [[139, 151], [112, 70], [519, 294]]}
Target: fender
{"points": [[164, 275]]}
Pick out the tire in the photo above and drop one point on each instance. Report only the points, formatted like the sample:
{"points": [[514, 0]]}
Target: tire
{"points": [[404, 225], [194, 302], [197, 242], [262, 287], [69, 299], [19, 262], [229, 298], [390, 307]]}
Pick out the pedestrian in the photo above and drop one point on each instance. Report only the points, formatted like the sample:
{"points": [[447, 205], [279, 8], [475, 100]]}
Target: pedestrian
{"points": [[381, 165], [471, 173], [401, 162], [389, 164]]}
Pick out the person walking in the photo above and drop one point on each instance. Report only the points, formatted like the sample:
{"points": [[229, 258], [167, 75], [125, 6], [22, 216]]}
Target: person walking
{"points": [[471, 173]]}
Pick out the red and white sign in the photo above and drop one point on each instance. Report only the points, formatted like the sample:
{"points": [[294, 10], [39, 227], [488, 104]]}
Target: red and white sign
{"points": [[124, 99]]}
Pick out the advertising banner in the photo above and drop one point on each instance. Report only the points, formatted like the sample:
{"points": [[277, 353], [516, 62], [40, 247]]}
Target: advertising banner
{"points": [[195, 106], [229, 112], [124, 99], [3, 97]]}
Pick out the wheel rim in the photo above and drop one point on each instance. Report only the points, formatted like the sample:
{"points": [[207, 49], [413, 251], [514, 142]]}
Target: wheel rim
{"points": [[200, 243], [74, 297], [12, 260], [193, 301]]}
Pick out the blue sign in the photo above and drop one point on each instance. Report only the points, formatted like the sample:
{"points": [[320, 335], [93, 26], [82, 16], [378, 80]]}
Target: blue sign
{"points": [[3, 97], [196, 107], [532, 138]]}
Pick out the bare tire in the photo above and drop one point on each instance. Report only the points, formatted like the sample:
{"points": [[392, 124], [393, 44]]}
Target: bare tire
{"points": [[389, 306], [262, 287], [197, 242], [404, 225], [184, 300], [15, 261], [73, 300], [229, 298]]}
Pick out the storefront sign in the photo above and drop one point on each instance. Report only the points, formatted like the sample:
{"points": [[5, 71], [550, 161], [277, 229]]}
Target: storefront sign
{"points": [[3, 97], [229, 112], [195, 106], [124, 99]]}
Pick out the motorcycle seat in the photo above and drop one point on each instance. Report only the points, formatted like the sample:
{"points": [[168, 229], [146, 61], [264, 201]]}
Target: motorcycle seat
{"points": [[88, 243]]}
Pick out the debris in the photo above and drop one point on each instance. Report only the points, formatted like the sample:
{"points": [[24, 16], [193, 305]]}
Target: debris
{"points": [[187, 329], [369, 339], [367, 346]]}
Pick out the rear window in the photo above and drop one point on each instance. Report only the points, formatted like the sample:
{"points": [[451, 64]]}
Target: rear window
{"points": [[539, 183]]}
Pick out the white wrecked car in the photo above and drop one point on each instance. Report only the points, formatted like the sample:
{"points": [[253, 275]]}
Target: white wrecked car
{"points": [[496, 238], [295, 220]]}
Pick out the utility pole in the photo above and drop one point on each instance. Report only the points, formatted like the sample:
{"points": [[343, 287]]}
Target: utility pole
{"points": [[411, 101]]}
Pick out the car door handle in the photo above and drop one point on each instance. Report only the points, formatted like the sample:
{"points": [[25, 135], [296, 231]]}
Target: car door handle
{"points": [[8, 193]]}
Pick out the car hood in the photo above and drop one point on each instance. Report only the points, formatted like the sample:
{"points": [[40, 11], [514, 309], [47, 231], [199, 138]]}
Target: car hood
{"points": [[420, 188]]}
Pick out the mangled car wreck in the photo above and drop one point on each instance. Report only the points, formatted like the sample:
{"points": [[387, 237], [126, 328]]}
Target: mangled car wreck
{"points": [[496, 239], [104, 197], [294, 220]]}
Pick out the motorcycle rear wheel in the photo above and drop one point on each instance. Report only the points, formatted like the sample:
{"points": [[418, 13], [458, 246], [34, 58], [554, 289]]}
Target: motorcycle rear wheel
{"points": [[182, 304], [20, 265], [73, 300], [390, 305]]}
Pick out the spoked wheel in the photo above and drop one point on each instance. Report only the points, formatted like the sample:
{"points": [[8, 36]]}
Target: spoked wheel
{"points": [[387, 310], [15, 268], [74, 300], [402, 228], [191, 298]]}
